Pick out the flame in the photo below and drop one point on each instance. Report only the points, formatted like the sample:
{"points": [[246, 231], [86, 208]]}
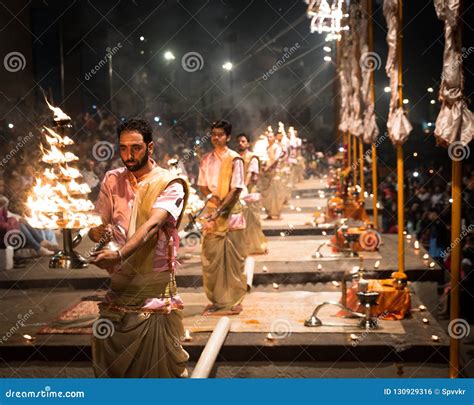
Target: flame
{"points": [[59, 115], [77, 188], [55, 138], [70, 172], [56, 156], [281, 128], [260, 148], [57, 199]]}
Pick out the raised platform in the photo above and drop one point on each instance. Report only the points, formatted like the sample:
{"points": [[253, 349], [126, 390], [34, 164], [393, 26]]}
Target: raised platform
{"points": [[294, 224], [414, 346], [289, 261]]}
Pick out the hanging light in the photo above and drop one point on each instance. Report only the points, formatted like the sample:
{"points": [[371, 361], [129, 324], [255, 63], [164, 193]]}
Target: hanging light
{"points": [[327, 18]]}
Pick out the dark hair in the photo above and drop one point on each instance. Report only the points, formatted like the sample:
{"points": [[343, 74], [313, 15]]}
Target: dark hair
{"points": [[245, 136], [136, 124], [225, 125]]}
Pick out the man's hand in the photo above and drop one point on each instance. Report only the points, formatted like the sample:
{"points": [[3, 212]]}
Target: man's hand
{"points": [[105, 259], [101, 233], [212, 217], [215, 200]]}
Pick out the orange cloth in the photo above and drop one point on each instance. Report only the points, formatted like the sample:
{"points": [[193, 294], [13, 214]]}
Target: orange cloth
{"points": [[392, 304]]}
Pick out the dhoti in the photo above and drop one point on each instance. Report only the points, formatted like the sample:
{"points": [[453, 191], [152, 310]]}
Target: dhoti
{"points": [[223, 256], [255, 240], [272, 194], [129, 341]]}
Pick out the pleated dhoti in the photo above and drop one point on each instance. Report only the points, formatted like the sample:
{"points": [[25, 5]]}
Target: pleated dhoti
{"points": [[272, 191], [133, 342], [223, 256], [255, 240]]}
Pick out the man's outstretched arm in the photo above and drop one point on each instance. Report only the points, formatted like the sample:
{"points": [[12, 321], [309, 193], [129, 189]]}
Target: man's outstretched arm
{"points": [[110, 258]]}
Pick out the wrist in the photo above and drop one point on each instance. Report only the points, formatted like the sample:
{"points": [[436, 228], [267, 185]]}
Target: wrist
{"points": [[119, 256]]}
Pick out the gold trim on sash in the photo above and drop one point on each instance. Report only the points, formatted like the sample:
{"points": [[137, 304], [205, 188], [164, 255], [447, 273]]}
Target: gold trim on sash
{"points": [[149, 190]]}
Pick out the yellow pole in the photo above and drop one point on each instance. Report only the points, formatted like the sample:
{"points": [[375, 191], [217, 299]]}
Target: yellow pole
{"points": [[375, 186], [370, 43], [400, 170], [456, 251], [354, 159], [361, 169], [455, 264], [337, 100], [349, 153], [401, 214]]}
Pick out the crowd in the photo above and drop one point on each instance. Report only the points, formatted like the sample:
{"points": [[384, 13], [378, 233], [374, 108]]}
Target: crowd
{"points": [[427, 193]]}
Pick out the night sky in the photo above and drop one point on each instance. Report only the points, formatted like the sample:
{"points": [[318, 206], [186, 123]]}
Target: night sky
{"points": [[253, 35]]}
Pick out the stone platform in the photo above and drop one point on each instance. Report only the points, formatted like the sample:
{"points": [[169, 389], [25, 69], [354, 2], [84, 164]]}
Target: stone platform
{"points": [[289, 261], [413, 349]]}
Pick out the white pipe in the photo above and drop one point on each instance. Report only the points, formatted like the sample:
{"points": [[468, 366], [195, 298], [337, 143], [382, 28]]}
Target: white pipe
{"points": [[211, 350], [248, 270]]}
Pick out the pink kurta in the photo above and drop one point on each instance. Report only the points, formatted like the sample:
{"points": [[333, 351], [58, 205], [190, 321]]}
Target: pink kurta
{"points": [[209, 170], [114, 205]]}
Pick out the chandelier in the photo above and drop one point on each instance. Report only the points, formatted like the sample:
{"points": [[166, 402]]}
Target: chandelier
{"points": [[327, 18]]}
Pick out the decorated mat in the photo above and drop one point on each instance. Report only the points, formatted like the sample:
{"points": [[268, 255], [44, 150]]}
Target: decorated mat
{"points": [[77, 319], [275, 312]]}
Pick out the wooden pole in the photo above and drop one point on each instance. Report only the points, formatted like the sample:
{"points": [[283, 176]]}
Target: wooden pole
{"points": [[361, 169], [370, 43], [375, 187], [354, 159], [349, 152], [400, 165], [337, 100], [456, 196], [401, 206], [455, 264]]}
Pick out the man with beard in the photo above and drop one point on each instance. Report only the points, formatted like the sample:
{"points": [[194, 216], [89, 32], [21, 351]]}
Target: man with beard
{"points": [[221, 173], [255, 240], [141, 206]]}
